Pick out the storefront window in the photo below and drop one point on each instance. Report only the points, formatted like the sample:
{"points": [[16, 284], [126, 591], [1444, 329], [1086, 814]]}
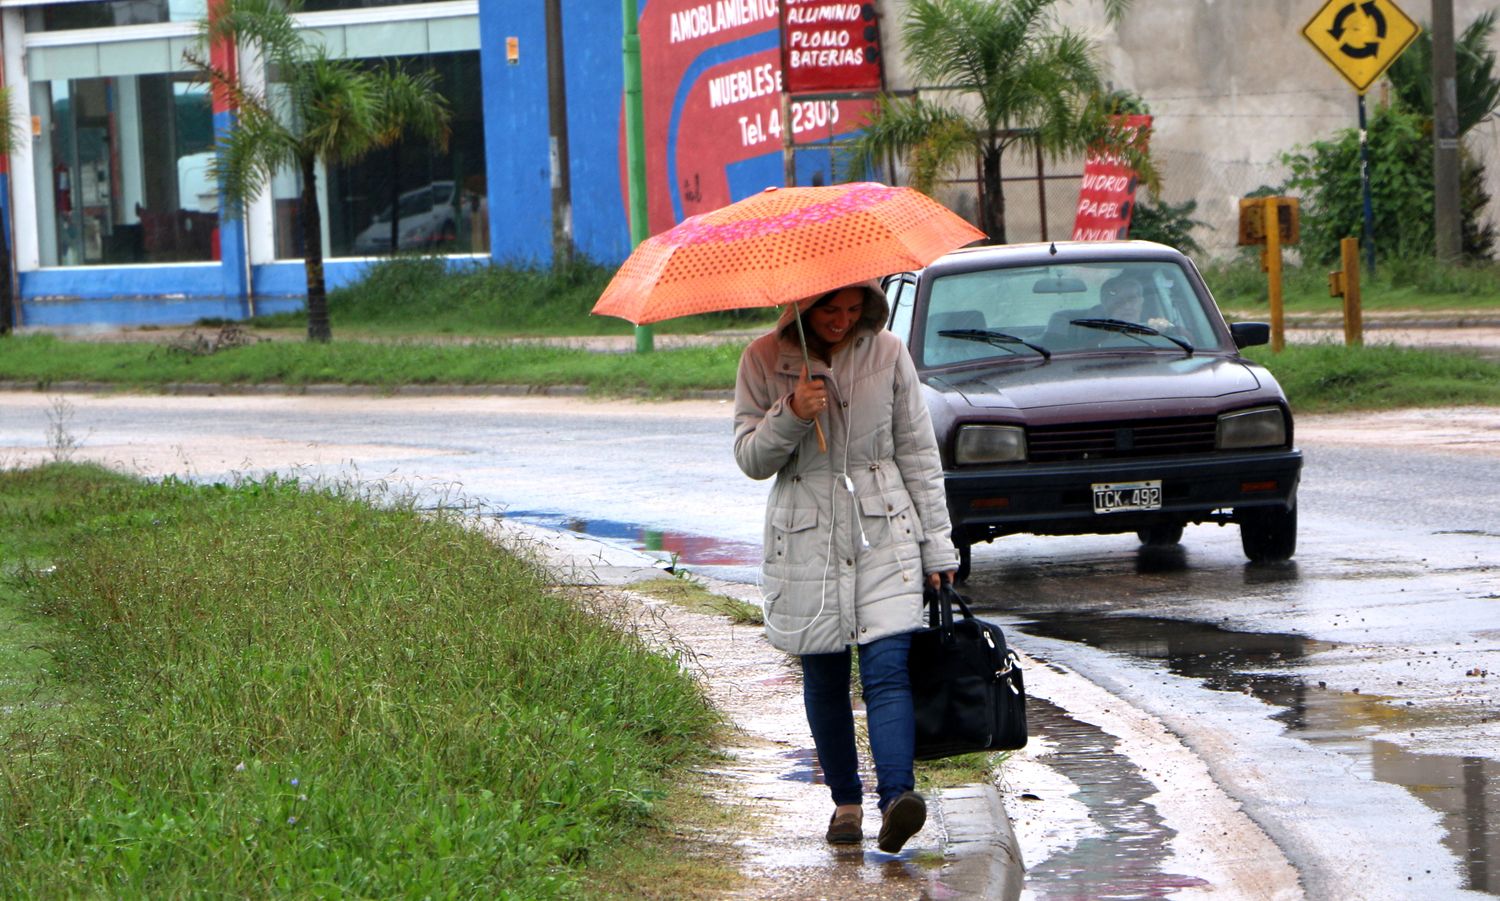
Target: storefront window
{"points": [[71, 16], [425, 199], [123, 174]]}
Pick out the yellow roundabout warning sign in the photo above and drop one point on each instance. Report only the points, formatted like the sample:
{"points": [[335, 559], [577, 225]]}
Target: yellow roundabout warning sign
{"points": [[1360, 38]]}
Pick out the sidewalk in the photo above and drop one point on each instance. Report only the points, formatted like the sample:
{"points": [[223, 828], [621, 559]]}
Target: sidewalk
{"points": [[967, 849]]}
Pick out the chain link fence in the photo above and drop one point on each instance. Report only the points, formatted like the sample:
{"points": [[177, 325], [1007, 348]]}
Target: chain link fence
{"points": [[1041, 196]]}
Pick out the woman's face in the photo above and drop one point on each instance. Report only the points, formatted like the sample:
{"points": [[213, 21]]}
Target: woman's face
{"points": [[833, 319]]}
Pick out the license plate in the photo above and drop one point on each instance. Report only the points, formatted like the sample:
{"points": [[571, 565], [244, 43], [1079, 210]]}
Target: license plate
{"points": [[1121, 497]]}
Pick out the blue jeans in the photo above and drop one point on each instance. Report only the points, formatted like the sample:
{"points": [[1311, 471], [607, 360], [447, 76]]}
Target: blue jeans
{"points": [[888, 710]]}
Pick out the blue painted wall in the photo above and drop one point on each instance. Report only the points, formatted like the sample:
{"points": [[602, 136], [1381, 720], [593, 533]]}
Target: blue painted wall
{"points": [[517, 170], [517, 130]]}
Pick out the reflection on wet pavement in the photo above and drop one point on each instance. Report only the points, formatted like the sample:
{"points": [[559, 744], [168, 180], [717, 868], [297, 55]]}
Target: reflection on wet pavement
{"points": [[701, 550], [1464, 790], [1126, 861]]}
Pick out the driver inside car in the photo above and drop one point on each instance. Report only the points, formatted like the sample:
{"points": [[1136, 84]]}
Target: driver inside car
{"points": [[1123, 298]]}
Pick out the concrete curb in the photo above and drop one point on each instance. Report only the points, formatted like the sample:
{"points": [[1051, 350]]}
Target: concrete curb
{"points": [[981, 858]]}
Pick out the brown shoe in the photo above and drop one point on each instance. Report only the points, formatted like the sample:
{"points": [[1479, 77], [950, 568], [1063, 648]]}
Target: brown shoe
{"points": [[846, 828], [903, 818]]}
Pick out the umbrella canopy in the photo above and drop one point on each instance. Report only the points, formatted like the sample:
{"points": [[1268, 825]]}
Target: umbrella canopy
{"points": [[780, 246]]}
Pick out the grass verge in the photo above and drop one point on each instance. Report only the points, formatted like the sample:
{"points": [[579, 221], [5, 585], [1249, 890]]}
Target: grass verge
{"points": [[425, 295], [1329, 378], [45, 360], [1317, 378], [293, 692], [1405, 286]]}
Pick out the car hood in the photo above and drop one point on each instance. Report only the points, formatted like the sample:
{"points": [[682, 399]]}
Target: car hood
{"points": [[1094, 380]]}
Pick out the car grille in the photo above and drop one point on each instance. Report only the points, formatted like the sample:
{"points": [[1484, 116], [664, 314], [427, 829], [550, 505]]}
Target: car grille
{"points": [[1105, 440]]}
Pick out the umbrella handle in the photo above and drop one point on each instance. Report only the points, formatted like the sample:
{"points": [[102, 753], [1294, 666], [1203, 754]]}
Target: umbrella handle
{"points": [[806, 364]]}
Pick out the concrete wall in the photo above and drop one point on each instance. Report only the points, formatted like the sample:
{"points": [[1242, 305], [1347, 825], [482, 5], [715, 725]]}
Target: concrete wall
{"points": [[1233, 86]]}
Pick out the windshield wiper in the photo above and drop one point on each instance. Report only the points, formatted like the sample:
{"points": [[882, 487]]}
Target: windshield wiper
{"points": [[1131, 328], [988, 336]]}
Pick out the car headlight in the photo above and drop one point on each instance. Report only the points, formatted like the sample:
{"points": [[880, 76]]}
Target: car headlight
{"points": [[1258, 427], [989, 444]]}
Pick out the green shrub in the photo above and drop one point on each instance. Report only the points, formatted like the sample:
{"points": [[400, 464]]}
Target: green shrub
{"points": [[1326, 176], [1165, 223]]}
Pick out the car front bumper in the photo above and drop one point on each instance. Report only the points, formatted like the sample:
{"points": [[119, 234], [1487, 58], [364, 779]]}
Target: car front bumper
{"points": [[1058, 499]]}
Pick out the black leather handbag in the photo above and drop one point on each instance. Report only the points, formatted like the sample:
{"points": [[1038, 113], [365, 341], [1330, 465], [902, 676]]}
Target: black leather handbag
{"points": [[966, 684]]}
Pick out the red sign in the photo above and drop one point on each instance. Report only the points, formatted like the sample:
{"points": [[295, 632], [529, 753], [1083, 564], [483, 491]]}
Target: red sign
{"points": [[1107, 196], [711, 102], [830, 46]]}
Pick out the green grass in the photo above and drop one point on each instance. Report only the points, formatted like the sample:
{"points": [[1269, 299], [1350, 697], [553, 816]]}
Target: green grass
{"points": [[291, 692], [1325, 378], [1406, 286], [421, 295], [43, 360]]}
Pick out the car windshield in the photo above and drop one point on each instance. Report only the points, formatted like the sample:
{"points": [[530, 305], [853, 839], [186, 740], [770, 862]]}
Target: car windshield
{"points": [[1067, 308]]}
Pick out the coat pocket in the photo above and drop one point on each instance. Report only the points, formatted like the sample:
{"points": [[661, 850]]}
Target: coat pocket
{"points": [[889, 517], [792, 538]]}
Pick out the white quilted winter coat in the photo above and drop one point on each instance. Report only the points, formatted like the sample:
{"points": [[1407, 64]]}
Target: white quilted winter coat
{"points": [[843, 568]]}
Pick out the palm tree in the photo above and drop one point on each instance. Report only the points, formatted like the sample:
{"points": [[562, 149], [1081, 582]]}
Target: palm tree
{"points": [[333, 111], [1011, 75], [1474, 71], [10, 136]]}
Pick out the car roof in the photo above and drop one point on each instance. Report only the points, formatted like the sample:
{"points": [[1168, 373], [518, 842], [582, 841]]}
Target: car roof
{"points": [[1044, 253]]}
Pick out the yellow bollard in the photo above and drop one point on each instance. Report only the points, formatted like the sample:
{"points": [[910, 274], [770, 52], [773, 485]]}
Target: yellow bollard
{"points": [[1345, 283], [1272, 260]]}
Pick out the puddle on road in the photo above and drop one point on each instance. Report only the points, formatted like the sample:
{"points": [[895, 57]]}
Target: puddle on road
{"points": [[804, 766], [1465, 791], [697, 550], [1125, 862]]}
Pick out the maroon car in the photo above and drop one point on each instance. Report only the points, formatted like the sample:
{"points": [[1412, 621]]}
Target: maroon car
{"points": [[1095, 388]]}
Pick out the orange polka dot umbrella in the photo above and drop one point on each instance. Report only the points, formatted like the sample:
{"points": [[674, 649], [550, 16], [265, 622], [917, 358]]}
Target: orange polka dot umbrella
{"points": [[780, 246]]}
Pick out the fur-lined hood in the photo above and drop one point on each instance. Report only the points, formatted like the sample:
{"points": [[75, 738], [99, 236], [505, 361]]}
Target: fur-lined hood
{"points": [[876, 313]]}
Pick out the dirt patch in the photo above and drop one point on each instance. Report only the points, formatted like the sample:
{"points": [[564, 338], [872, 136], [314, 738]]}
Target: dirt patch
{"points": [[1467, 430]]}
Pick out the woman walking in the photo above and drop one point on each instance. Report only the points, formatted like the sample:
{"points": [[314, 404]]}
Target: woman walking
{"points": [[851, 536]]}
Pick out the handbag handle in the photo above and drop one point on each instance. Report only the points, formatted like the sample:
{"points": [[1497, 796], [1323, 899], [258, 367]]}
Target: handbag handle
{"points": [[940, 603]]}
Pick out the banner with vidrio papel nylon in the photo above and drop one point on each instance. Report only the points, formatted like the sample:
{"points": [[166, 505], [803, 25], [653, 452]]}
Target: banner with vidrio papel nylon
{"points": [[1106, 198]]}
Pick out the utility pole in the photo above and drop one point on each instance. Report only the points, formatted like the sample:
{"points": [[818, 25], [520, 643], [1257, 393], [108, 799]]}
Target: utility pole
{"points": [[557, 114], [1447, 224], [635, 149]]}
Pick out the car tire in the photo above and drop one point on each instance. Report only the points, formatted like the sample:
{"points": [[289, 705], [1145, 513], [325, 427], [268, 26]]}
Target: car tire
{"points": [[1268, 534], [965, 556], [1160, 536]]}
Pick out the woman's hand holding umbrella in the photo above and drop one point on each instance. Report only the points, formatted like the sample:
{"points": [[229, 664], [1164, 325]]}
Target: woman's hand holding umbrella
{"points": [[810, 399]]}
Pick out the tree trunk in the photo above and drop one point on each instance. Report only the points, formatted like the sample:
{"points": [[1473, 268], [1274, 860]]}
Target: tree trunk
{"points": [[312, 254], [992, 197]]}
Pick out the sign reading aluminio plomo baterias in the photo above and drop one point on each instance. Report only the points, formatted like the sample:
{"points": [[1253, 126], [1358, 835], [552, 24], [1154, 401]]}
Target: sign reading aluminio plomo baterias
{"points": [[1361, 38], [830, 46], [712, 79]]}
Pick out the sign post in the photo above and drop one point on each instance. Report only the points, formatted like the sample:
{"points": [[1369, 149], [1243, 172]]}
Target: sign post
{"points": [[1360, 39], [1271, 222]]}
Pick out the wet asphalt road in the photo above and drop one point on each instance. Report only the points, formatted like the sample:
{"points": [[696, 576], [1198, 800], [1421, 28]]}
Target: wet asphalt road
{"points": [[1345, 699]]}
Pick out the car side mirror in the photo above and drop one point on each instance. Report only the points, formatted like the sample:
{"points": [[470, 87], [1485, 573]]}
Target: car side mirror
{"points": [[1249, 334]]}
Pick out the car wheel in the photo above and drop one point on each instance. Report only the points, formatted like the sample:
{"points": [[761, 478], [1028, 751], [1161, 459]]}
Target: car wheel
{"points": [[964, 558], [1160, 536], [1268, 534]]}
